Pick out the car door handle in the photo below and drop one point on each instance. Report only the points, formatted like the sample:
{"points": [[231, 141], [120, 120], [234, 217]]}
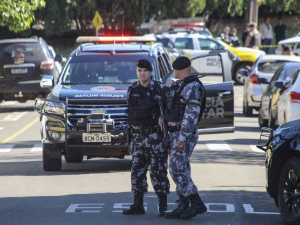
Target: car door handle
{"points": [[222, 93]]}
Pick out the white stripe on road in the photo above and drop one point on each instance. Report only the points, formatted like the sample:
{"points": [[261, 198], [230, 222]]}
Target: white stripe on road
{"points": [[1, 128], [14, 116], [6, 148], [36, 148], [255, 149], [218, 147]]}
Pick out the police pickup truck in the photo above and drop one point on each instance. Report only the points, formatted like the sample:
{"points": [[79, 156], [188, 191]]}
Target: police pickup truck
{"points": [[85, 113]]}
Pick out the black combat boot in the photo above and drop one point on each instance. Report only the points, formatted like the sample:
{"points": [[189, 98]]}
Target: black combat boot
{"points": [[182, 206], [137, 207], [162, 204], [196, 207]]}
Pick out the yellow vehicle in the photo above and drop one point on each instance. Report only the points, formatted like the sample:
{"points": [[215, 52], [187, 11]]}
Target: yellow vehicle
{"points": [[247, 58]]}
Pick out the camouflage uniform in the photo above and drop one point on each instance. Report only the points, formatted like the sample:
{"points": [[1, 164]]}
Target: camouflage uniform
{"points": [[179, 162], [148, 153]]}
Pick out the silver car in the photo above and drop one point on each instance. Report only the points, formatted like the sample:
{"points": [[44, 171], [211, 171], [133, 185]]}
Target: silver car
{"points": [[259, 77]]}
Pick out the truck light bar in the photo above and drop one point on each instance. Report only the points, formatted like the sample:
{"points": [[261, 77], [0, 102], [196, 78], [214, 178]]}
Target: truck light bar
{"points": [[93, 39]]}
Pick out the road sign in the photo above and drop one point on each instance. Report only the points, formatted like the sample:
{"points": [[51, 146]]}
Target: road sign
{"points": [[97, 21]]}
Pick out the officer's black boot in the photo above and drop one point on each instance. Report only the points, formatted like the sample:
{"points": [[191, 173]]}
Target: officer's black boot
{"points": [[182, 206], [137, 207], [162, 204], [196, 207]]}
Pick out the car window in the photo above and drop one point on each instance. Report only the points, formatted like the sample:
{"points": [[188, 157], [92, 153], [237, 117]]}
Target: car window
{"points": [[210, 67], [289, 71], [184, 43], [28, 51], [269, 67], [277, 74], [104, 69], [294, 78], [206, 44]]}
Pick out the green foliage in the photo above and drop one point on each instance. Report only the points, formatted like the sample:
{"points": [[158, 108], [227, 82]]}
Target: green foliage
{"points": [[18, 15]]}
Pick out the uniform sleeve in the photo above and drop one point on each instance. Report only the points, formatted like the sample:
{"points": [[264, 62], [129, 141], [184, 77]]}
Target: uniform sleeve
{"points": [[192, 111]]}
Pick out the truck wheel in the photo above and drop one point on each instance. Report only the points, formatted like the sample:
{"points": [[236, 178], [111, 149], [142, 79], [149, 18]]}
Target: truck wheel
{"points": [[51, 159], [73, 158], [239, 78], [289, 191]]}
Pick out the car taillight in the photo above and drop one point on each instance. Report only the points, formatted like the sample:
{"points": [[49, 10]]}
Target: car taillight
{"points": [[254, 78], [295, 97], [47, 64]]}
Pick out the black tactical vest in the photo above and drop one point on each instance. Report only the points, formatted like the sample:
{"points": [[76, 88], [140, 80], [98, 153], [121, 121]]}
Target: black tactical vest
{"points": [[143, 109], [176, 103]]}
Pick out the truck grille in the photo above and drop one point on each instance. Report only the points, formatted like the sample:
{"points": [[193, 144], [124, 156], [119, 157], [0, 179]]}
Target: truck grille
{"points": [[117, 112]]}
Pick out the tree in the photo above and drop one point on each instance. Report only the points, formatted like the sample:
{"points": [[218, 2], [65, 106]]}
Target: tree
{"points": [[18, 15]]}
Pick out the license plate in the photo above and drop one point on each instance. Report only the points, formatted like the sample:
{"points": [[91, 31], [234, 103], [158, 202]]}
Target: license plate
{"points": [[96, 137], [19, 71]]}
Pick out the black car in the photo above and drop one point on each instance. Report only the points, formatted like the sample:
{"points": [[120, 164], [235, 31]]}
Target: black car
{"points": [[85, 114], [267, 115], [23, 62], [282, 163]]}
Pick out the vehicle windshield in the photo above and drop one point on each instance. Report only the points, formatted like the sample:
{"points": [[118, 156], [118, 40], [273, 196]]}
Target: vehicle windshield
{"points": [[104, 69], [269, 67]]}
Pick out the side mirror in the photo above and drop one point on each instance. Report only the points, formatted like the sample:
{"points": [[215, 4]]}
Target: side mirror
{"points": [[280, 85], [59, 58], [47, 81]]}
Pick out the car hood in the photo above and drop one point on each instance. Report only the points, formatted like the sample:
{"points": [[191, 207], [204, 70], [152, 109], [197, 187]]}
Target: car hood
{"points": [[244, 49], [90, 92]]}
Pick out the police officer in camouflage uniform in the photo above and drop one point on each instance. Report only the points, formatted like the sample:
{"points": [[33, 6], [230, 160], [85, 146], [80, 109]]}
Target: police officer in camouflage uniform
{"points": [[148, 151], [185, 105]]}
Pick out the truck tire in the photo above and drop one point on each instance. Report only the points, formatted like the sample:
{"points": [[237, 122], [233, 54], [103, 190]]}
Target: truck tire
{"points": [[74, 158], [51, 162], [289, 191], [237, 77]]}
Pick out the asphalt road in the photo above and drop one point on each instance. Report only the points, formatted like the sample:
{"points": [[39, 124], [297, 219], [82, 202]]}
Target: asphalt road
{"points": [[227, 168]]}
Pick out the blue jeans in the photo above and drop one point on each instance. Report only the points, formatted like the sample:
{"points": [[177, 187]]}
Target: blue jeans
{"points": [[266, 41]]}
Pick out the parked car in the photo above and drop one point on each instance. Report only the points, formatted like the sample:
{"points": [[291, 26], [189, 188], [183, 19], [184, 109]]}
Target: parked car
{"points": [[259, 77], [267, 115], [282, 147], [289, 101], [85, 114], [193, 43], [294, 42], [23, 62]]}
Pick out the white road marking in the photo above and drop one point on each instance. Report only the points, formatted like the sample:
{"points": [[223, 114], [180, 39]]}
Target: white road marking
{"points": [[1, 128], [255, 149], [14, 116], [218, 147], [6, 148], [249, 209], [85, 208], [36, 148]]}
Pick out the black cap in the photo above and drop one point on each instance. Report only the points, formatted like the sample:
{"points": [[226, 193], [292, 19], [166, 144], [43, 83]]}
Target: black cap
{"points": [[145, 64], [181, 63]]}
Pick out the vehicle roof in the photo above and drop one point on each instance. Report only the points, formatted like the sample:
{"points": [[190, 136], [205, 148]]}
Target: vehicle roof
{"points": [[289, 41], [279, 57], [16, 40]]}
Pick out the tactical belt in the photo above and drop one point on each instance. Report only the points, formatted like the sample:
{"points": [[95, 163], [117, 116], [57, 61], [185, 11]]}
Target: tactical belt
{"points": [[146, 130], [174, 128]]}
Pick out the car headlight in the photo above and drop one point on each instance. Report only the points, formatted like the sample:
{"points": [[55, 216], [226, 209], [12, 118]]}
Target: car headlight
{"points": [[54, 108]]}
